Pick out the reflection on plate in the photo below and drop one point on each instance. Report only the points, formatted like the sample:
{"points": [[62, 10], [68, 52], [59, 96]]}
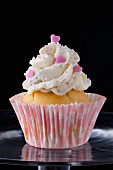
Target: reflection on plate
{"points": [[82, 153]]}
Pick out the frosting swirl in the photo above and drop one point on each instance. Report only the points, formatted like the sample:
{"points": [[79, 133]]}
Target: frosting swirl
{"points": [[55, 69]]}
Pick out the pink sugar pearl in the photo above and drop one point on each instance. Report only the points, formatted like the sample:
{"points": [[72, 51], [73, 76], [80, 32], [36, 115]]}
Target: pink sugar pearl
{"points": [[77, 68], [60, 59], [29, 74]]}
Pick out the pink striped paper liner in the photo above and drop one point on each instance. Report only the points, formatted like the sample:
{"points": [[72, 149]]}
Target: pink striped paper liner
{"points": [[57, 126]]}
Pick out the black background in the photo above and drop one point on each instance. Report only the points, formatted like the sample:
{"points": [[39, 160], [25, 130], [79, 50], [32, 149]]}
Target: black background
{"points": [[86, 27]]}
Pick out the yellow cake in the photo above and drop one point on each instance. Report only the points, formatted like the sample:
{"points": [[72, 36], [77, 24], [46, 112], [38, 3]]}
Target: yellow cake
{"points": [[51, 98]]}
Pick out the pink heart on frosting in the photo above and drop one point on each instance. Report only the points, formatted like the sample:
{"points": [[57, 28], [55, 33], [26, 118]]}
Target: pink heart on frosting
{"points": [[60, 59], [55, 38], [29, 74], [77, 68]]}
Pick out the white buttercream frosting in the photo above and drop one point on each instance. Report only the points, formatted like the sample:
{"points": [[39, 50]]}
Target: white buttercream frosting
{"points": [[53, 70]]}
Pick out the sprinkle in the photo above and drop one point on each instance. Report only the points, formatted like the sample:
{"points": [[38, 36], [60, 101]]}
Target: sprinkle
{"points": [[55, 38], [58, 90], [77, 68], [45, 79], [29, 74], [60, 59]]}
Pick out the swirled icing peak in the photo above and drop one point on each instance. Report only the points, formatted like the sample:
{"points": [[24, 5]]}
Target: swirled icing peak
{"points": [[55, 69]]}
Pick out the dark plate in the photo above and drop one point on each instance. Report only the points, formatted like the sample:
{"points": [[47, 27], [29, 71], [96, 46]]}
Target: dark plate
{"points": [[97, 151]]}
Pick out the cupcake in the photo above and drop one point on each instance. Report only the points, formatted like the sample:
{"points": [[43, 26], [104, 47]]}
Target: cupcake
{"points": [[54, 111]]}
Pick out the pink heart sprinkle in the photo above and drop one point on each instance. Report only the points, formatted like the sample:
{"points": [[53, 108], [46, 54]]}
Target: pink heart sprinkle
{"points": [[55, 38], [60, 59], [77, 68], [29, 74]]}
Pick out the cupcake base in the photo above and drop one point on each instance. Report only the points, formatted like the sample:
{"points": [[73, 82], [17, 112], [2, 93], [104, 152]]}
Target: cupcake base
{"points": [[51, 98], [57, 126]]}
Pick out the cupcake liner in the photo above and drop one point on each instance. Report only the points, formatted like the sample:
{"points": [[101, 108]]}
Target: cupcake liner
{"points": [[57, 126]]}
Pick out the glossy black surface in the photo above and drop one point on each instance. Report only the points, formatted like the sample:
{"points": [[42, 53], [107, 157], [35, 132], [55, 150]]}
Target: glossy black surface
{"points": [[97, 151]]}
